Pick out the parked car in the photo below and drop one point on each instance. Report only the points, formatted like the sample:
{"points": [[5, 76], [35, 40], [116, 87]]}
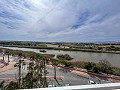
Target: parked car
{"points": [[51, 86], [67, 84], [91, 82]]}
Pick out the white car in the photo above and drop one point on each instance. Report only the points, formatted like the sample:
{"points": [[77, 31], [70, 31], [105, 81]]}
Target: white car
{"points": [[67, 84], [51, 86], [91, 82]]}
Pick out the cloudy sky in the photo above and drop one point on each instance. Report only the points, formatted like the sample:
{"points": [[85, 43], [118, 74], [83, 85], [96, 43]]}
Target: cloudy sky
{"points": [[60, 20]]}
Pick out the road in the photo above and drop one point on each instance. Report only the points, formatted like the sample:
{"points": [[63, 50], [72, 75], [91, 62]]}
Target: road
{"points": [[66, 77], [72, 78]]}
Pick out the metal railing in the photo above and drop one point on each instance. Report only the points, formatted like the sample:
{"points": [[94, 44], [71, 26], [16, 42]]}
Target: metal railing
{"points": [[114, 86]]}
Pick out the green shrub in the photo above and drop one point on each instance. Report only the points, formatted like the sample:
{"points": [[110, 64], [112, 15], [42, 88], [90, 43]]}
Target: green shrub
{"points": [[89, 65], [64, 57], [96, 69]]}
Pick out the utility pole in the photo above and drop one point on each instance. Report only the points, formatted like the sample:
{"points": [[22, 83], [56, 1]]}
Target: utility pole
{"points": [[19, 73]]}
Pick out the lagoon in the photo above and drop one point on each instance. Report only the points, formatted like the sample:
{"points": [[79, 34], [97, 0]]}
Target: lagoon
{"points": [[114, 59]]}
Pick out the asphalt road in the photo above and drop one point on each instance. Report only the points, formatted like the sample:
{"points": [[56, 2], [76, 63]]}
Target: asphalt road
{"points": [[66, 77]]}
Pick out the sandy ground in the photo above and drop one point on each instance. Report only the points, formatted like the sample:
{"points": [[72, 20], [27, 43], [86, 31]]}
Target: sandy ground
{"points": [[81, 73], [8, 67]]}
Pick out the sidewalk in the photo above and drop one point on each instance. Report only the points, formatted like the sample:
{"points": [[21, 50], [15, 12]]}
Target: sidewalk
{"points": [[8, 67], [81, 73]]}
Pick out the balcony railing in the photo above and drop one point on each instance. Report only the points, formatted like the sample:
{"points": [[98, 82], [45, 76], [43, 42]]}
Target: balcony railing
{"points": [[108, 86]]}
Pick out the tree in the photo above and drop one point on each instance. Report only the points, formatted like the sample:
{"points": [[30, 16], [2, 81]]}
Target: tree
{"points": [[89, 65], [54, 64], [99, 48], [12, 86], [112, 47], [96, 69], [27, 82], [58, 45], [2, 86], [19, 64], [35, 77], [68, 64], [105, 66], [36, 72], [44, 59]]}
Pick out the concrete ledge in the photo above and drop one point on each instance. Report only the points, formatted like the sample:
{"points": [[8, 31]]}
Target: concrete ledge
{"points": [[81, 87]]}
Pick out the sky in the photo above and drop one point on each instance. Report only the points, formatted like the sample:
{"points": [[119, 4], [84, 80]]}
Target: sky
{"points": [[60, 20]]}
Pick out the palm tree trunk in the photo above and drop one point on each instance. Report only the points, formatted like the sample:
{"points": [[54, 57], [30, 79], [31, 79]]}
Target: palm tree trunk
{"points": [[3, 55], [54, 72], [19, 74], [45, 80], [55, 75], [3, 58], [8, 59]]}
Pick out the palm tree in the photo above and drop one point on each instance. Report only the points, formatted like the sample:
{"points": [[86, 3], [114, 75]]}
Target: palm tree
{"points": [[28, 80], [2, 86], [35, 77], [39, 70], [12, 86], [19, 64], [45, 72], [54, 64], [42, 61]]}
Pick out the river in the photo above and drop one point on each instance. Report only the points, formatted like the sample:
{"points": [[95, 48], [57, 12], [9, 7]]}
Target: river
{"points": [[114, 59]]}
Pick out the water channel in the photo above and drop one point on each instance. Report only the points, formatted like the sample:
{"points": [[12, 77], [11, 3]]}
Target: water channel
{"points": [[114, 59]]}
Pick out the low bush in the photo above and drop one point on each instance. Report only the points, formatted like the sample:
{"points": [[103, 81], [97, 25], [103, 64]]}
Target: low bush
{"points": [[64, 57]]}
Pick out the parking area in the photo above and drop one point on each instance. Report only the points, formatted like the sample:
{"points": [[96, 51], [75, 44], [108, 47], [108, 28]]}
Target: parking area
{"points": [[64, 77]]}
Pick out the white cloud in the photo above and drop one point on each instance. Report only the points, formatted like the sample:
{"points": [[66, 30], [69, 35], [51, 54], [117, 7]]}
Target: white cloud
{"points": [[52, 20]]}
